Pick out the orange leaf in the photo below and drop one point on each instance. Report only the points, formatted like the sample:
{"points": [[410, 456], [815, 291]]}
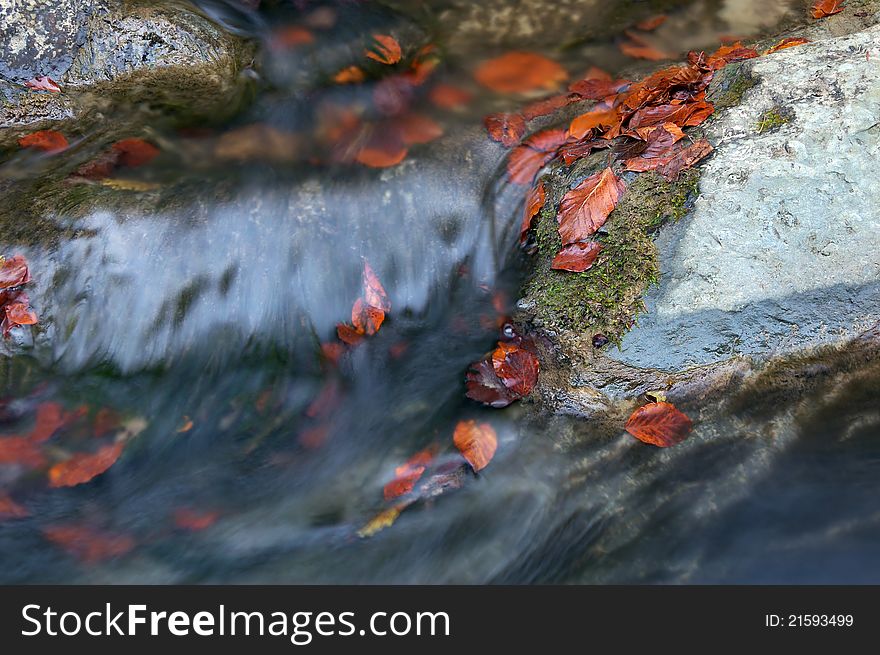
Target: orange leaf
{"points": [[484, 385], [46, 140], [534, 202], [50, 417], [638, 51], [505, 128], [516, 367], [577, 257], [447, 96], [9, 509], [526, 160], [585, 208], [596, 119], [385, 49], [823, 8], [374, 292], [403, 483], [789, 42], [418, 128], [685, 158], [193, 520], [477, 442], [135, 152], [729, 53], [18, 313], [350, 75], [349, 334], [365, 318], [88, 545], [687, 115], [660, 424], [84, 467], [291, 36], [548, 105], [185, 426], [593, 89], [651, 24], [43, 83], [381, 155], [518, 72]]}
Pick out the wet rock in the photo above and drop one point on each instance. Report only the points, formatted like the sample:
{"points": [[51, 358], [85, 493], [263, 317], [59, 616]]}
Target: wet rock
{"points": [[102, 52]]}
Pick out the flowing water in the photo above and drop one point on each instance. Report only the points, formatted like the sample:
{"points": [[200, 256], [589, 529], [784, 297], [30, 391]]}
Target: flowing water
{"points": [[186, 316]]}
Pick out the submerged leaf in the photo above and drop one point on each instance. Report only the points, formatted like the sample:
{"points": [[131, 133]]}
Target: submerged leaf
{"points": [[534, 202], [87, 545], [516, 367], [823, 8], [84, 467], [477, 442], [384, 519], [660, 424], [517, 72], [484, 386], [385, 49], [49, 141], [505, 128]]}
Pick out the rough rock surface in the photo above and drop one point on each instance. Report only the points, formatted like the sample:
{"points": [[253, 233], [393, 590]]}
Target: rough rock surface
{"points": [[782, 251]]}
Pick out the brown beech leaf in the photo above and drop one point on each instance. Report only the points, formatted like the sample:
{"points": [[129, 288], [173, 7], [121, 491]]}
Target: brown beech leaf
{"points": [[18, 313], [505, 128], [350, 75], [484, 386], [349, 334], [652, 23], [686, 115], [526, 160], [446, 96], [643, 51], [14, 272], [660, 424], [365, 318], [50, 417], [194, 520], [385, 49], [49, 141], [789, 42], [516, 367], [378, 153], [518, 72], [598, 118], [658, 150], [596, 89], [729, 53], [585, 208], [88, 545], [84, 467], [21, 450], [823, 8], [402, 484], [43, 83], [417, 128], [571, 152], [685, 158], [9, 509], [577, 257], [374, 292], [291, 36], [548, 105], [477, 443], [534, 202]]}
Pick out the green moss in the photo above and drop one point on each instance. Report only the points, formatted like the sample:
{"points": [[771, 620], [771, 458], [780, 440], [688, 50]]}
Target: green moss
{"points": [[730, 85], [608, 297], [772, 119]]}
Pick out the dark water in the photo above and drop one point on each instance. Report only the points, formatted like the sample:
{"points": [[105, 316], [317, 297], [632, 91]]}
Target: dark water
{"points": [[189, 318]]}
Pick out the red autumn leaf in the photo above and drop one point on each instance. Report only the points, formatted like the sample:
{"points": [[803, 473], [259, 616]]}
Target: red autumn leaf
{"points": [[570, 152], [823, 8], [660, 424], [659, 141], [381, 154], [577, 257], [526, 160], [349, 334], [14, 272], [186, 425], [585, 208], [43, 83], [385, 49], [87, 545], [100, 167], [651, 24], [685, 158], [374, 292], [639, 51], [50, 417], [687, 115], [46, 140], [194, 520], [22, 451], [534, 202], [291, 36], [595, 89], [350, 75], [327, 400], [789, 42], [84, 467], [417, 128], [518, 72], [135, 152], [548, 105], [447, 96], [9, 509], [314, 437], [729, 53], [403, 483], [106, 421], [477, 442], [18, 313], [505, 128], [484, 386], [598, 118], [332, 351], [365, 318], [516, 367]]}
